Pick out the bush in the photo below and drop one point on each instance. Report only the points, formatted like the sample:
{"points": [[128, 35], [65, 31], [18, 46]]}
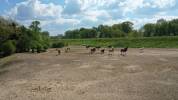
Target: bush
{"points": [[39, 48], [45, 47], [58, 45], [8, 48]]}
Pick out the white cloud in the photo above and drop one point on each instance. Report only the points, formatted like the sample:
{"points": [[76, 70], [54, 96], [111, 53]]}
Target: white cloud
{"points": [[164, 3], [94, 4], [69, 21], [130, 6], [95, 15], [89, 13], [34, 9]]}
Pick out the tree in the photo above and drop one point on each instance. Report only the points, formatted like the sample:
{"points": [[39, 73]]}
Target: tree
{"points": [[8, 48], [160, 21], [127, 27], [148, 30], [135, 34], [35, 26], [105, 31], [17, 38], [72, 34], [88, 33]]}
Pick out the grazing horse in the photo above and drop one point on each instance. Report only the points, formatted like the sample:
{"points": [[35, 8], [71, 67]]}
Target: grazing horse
{"points": [[59, 52], [93, 50], [102, 51], [124, 51], [111, 51], [67, 50]]}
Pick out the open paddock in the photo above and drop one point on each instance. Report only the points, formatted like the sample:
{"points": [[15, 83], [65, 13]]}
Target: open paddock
{"points": [[78, 75]]}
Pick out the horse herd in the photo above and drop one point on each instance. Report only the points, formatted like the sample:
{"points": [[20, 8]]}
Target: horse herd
{"points": [[92, 50], [110, 50]]}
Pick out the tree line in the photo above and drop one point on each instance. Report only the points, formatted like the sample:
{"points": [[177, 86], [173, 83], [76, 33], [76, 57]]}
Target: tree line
{"points": [[161, 28], [125, 29], [16, 38]]}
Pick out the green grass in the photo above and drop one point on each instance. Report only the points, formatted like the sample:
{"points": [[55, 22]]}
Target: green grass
{"points": [[147, 42]]}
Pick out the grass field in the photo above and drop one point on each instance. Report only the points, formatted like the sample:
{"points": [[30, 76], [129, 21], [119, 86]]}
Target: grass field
{"points": [[147, 42]]}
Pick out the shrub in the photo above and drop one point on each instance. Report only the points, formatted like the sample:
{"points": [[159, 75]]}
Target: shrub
{"points": [[58, 45], [8, 48], [39, 48]]}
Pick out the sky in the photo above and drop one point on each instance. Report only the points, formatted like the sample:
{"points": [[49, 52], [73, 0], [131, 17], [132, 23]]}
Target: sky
{"points": [[58, 16]]}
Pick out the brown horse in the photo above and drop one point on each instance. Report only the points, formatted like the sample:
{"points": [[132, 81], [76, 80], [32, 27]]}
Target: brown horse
{"points": [[59, 51], [102, 51], [111, 51], [124, 51], [93, 50]]}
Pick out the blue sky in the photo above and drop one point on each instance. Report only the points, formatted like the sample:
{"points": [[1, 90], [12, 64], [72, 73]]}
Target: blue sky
{"points": [[57, 16]]}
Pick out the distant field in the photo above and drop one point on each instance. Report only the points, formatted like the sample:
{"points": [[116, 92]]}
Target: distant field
{"points": [[147, 42]]}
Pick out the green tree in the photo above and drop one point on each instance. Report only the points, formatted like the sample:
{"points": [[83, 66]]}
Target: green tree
{"points": [[8, 48], [88, 33], [127, 27], [35, 26], [72, 34], [149, 30]]}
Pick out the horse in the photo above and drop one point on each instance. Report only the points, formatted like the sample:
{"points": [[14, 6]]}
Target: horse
{"points": [[93, 50], [67, 50], [111, 51], [124, 51], [59, 51], [102, 51]]}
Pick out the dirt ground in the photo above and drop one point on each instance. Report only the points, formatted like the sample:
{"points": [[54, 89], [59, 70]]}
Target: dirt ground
{"points": [[152, 75]]}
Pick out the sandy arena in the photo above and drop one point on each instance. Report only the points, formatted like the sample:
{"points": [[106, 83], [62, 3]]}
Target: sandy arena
{"points": [[152, 75]]}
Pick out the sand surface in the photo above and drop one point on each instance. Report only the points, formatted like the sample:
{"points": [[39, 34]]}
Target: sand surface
{"points": [[152, 75]]}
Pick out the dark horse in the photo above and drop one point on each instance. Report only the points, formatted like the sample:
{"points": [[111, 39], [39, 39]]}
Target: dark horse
{"points": [[59, 52], [102, 51], [93, 50], [124, 51]]}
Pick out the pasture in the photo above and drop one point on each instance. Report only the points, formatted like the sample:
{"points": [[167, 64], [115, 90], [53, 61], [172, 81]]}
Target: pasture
{"points": [[148, 42], [78, 75]]}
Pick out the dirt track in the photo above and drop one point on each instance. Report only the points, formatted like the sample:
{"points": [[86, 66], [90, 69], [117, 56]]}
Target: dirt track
{"points": [[152, 75]]}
